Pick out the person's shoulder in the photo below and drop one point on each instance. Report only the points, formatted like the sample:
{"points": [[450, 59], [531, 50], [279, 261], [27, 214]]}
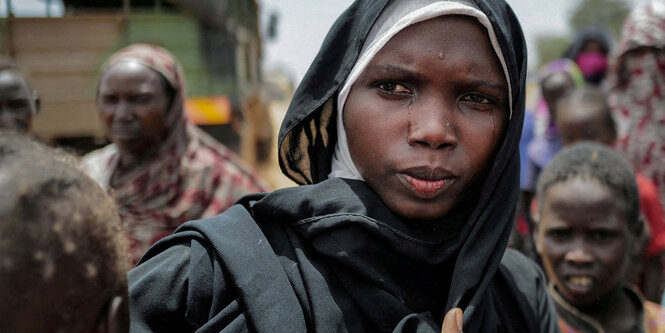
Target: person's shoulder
{"points": [[655, 314], [520, 279], [514, 261], [213, 155], [523, 273], [100, 154], [97, 163]]}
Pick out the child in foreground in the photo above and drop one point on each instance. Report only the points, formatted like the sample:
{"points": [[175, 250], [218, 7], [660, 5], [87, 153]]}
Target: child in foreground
{"points": [[404, 135], [588, 233], [62, 252]]}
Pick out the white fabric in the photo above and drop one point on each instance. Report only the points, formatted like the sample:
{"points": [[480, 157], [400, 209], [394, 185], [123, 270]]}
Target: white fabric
{"points": [[397, 16]]}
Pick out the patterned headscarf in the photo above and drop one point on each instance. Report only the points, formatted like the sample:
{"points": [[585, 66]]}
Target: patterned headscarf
{"points": [[162, 62], [191, 176], [637, 99]]}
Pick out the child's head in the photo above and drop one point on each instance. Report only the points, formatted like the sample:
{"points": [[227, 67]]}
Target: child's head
{"points": [[588, 224], [18, 103], [425, 113], [62, 262], [585, 116], [558, 79]]}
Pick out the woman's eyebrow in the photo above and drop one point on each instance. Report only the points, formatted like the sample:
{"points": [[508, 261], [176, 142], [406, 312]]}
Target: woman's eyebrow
{"points": [[490, 84], [394, 69]]}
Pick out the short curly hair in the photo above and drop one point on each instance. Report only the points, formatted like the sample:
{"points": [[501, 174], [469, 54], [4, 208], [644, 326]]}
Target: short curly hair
{"points": [[594, 161], [62, 248]]}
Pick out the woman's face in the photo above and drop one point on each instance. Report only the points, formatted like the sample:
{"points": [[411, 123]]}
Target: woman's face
{"points": [[133, 105], [583, 239], [424, 118]]}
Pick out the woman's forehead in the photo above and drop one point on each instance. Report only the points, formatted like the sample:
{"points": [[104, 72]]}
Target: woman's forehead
{"points": [[439, 37]]}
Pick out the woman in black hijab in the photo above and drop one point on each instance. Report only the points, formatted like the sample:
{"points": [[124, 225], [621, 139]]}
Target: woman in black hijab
{"points": [[404, 134]]}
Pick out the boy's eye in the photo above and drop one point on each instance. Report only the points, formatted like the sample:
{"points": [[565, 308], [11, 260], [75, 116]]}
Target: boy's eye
{"points": [[393, 88], [18, 103], [558, 234], [602, 235]]}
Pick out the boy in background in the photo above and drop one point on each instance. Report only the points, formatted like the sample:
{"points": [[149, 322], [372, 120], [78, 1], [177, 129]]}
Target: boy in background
{"points": [[584, 115], [588, 232]]}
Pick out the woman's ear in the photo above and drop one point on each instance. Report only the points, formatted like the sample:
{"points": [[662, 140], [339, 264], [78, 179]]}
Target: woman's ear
{"points": [[36, 102]]}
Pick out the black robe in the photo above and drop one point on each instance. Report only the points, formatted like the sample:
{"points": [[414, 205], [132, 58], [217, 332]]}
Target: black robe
{"points": [[330, 256]]}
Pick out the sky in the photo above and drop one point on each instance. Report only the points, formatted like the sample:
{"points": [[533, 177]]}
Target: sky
{"points": [[303, 25]]}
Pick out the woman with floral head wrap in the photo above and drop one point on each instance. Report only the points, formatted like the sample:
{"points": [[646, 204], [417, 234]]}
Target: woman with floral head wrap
{"points": [[637, 97], [161, 169]]}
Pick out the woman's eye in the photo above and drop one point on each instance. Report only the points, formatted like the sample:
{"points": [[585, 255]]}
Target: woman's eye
{"points": [[141, 99], [394, 88], [109, 99], [477, 99]]}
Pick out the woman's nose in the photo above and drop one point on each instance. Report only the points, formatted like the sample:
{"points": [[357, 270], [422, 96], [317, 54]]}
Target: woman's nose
{"points": [[430, 126], [123, 112]]}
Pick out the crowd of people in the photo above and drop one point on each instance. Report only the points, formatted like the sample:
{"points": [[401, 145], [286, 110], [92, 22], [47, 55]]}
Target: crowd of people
{"points": [[429, 197]]}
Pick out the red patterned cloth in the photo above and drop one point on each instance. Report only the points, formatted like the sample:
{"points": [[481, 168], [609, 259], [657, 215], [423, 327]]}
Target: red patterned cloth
{"points": [[653, 213], [637, 96], [191, 176]]}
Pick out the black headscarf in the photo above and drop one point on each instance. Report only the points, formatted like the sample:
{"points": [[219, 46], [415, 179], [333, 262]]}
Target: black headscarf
{"points": [[307, 139]]}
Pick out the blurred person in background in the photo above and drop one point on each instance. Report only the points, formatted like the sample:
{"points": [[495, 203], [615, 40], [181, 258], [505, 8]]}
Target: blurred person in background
{"points": [[160, 168], [63, 259], [539, 142], [588, 234], [584, 115], [637, 91], [19, 104], [558, 78], [590, 50]]}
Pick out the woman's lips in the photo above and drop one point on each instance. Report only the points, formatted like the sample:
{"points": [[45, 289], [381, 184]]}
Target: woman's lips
{"points": [[124, 132], [427, 182], [425, 186]]}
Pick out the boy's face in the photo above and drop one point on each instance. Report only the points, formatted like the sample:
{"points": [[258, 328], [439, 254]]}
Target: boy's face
{"points": [[132, 103], [583, 239], [17, 104], [424, 118], [583, 122]]}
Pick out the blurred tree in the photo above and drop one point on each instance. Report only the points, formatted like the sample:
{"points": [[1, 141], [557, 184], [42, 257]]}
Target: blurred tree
{"points": [[608, 13], [550, 47]]}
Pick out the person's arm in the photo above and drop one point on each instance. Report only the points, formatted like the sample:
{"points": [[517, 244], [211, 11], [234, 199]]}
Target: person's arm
{"points": [[182, 289], [158, 292]]}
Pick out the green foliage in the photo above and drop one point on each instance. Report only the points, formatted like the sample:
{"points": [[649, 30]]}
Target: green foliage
{"points": [[608, 13], [550, 47]]}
